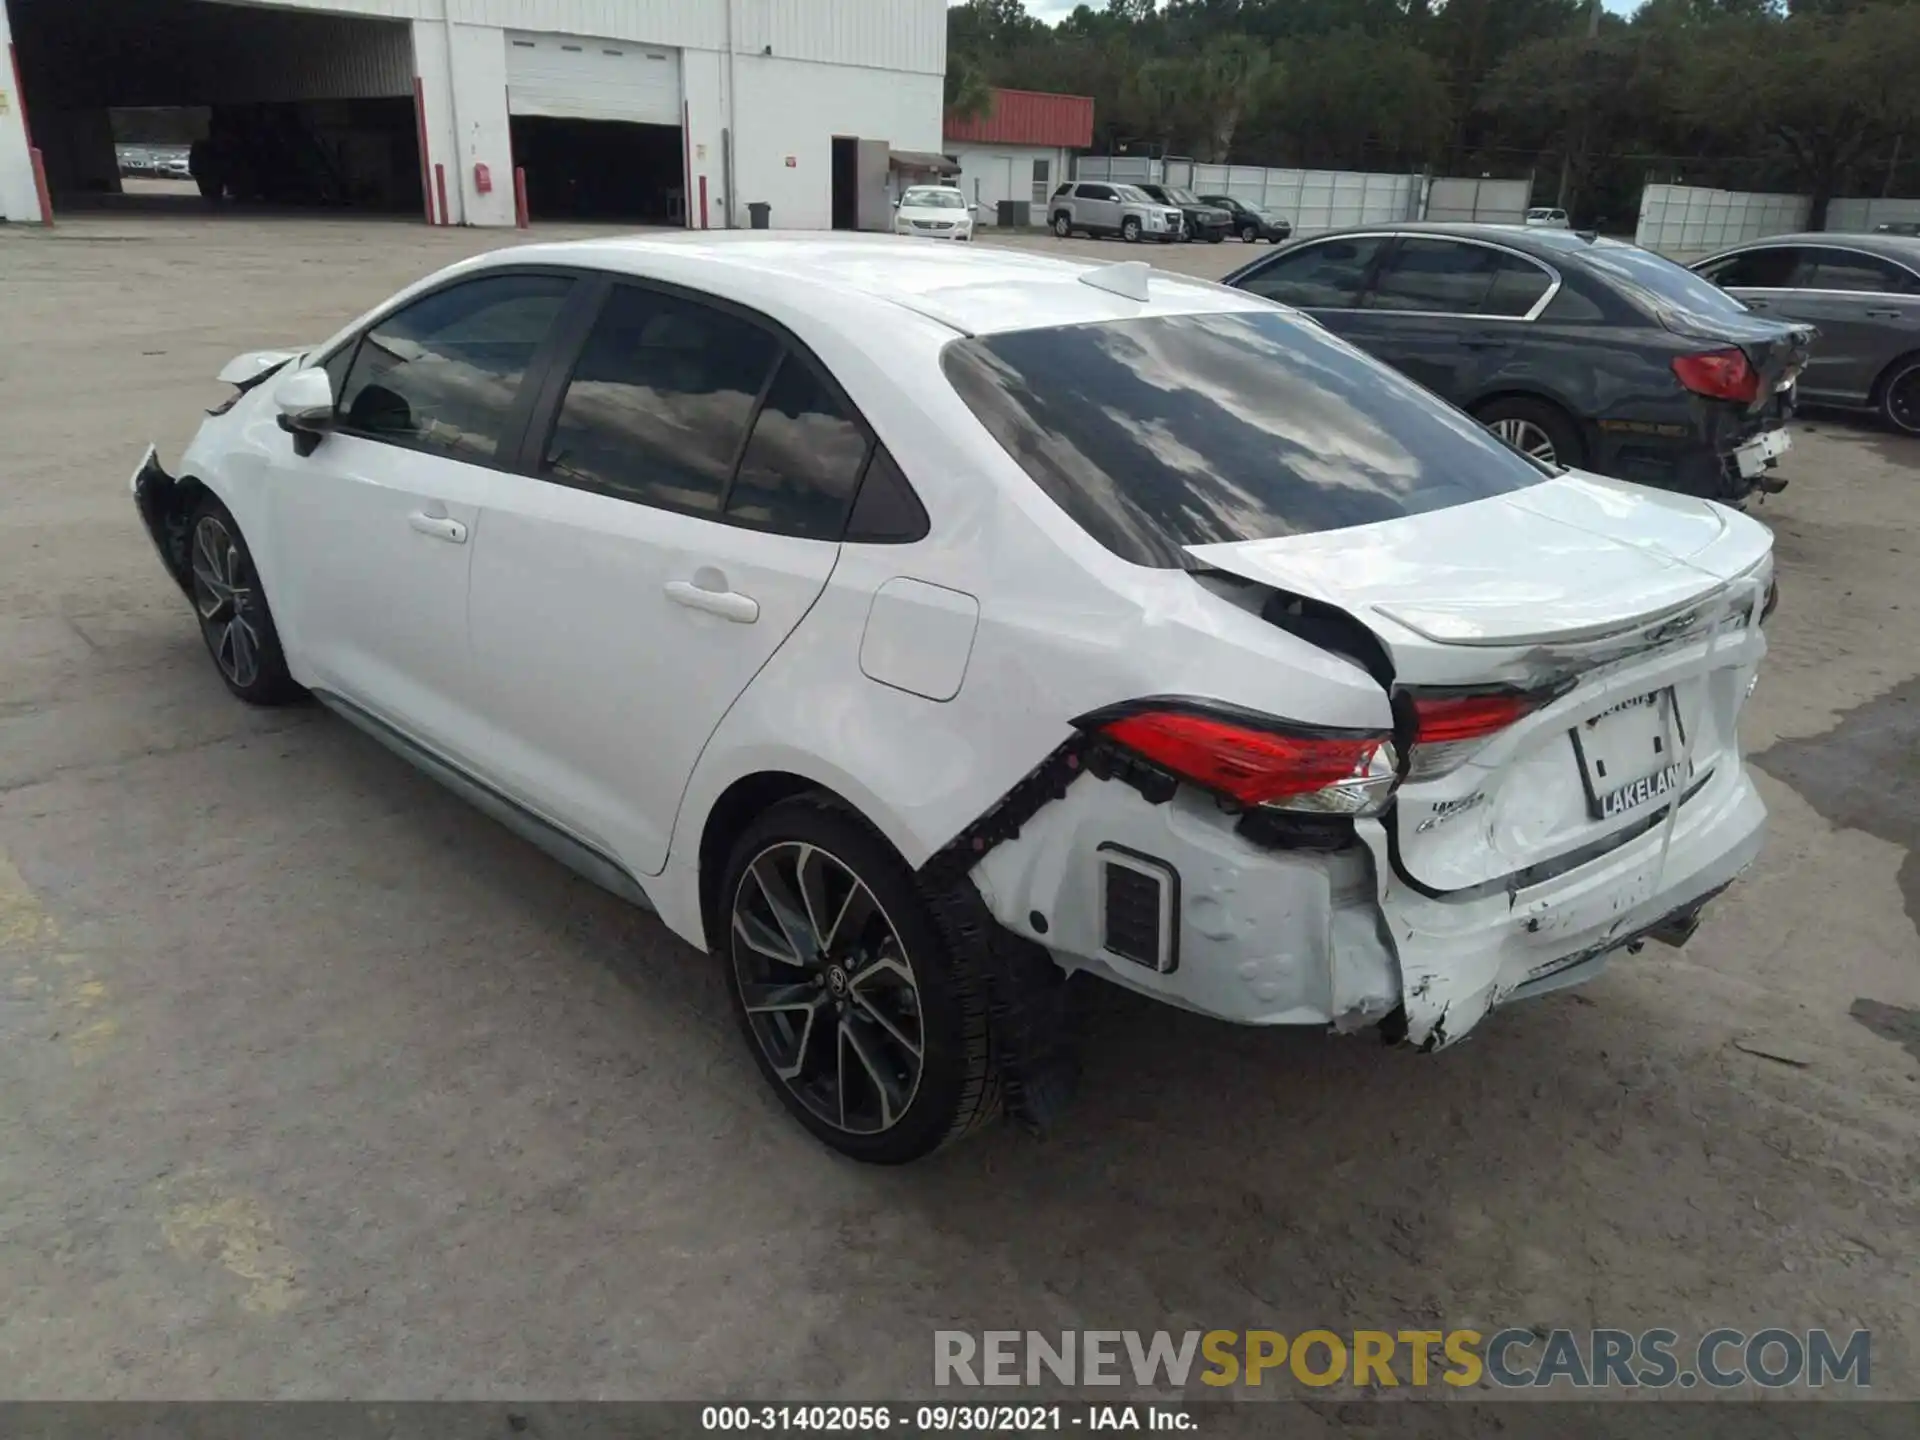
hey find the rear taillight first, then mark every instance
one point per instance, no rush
(1256, 761)
(1719, 375)
(1449, 725)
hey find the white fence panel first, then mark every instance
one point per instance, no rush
(1120, 169)
(1313, 200)
(1482, 201)
(1859, 216)
(1689, 219)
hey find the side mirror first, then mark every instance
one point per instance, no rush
(305, 402)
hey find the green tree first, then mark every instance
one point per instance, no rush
(969, 94)
(1829, 93)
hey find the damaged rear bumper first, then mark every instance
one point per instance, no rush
(1461, 956)
(1171, 901)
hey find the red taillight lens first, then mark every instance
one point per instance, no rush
(1451, 725)
(1719, 375)
(1325, 772)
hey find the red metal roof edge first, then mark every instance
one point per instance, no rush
(1036, 117)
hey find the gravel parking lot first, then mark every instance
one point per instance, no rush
(317, 1083)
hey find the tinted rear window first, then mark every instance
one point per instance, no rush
(1660, 280)
(1186, 430)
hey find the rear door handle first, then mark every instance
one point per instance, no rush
(727, 604)
(1485, 342)
(1883, 314)
(438, 526)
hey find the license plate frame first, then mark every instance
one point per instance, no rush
(1761, 452)
(1630, 740)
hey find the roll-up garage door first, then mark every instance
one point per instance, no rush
(576, 78)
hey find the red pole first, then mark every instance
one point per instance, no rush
(420, 123)
(39, 162)
(40, 188)
(686, 165)
(703, 202)
(440, 184)
(521, 215)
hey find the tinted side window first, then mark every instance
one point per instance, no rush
(803, 462)
(1518, 284)
(1184, 430)
(1325, 275)
(1432, 275)
(660, 400)
(887, 511)
(442, 373)
(1755, 269)
(1098, 192)
(1850, 270)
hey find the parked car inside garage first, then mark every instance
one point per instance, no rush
(1581, 351)
(1863, 294)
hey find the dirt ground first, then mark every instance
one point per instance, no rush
(315, 1083)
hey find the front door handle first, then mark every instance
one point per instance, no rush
(727, 604)
(1883, 314)
(1485, 342)
(438, 526)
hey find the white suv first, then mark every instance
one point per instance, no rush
(913, 626)
(1098, 208)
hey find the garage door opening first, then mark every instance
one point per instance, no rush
(596, 125)
(274, 107)
(600, 169)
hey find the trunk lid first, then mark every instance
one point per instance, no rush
(1632, 613)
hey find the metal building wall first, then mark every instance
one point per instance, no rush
(908, 35)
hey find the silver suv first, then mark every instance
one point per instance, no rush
(1099, 207)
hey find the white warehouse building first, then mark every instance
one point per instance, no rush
(671, 111)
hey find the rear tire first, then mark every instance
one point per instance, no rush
(1538, 428)
(872, 1031)
(1900, 396)
(235, 620)
(1249, 235)
(1063, 227)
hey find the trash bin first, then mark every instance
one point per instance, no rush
(758, 213)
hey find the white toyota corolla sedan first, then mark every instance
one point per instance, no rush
(914, 626)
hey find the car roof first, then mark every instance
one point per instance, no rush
(972, 290)
(1547, 244)
(1904, 248)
